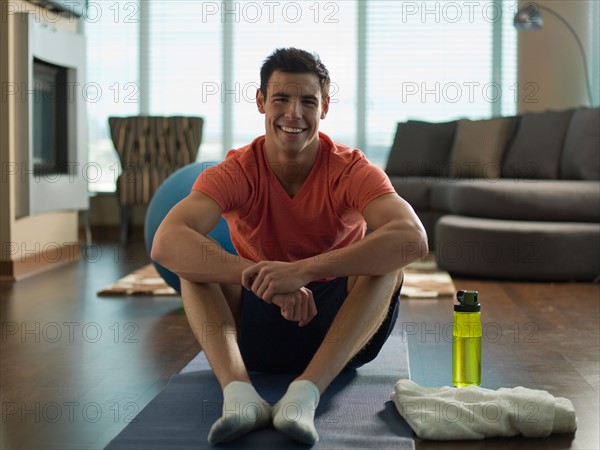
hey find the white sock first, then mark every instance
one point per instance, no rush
(294, 414)
(244, 410)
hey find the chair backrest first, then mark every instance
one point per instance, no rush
(151, 148)
(154, 140)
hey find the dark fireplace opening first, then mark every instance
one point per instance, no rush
(50, 123)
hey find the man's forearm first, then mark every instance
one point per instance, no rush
(386, 249)
(197, 258)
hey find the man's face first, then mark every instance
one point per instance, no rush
(292, 109)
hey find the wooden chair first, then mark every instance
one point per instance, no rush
(150, 149)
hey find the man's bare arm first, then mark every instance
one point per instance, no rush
(182, 246)
(397, 240)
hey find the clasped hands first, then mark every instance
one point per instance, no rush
(282, 283)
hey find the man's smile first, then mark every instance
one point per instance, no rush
(291, 130)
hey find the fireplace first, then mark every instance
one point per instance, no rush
(50, 124)
(52, 156)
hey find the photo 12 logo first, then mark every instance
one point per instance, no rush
(453, 12)
(70, 332)
(270, 12)
(48, 12)
(69, 412)
(69, 91)
(467, 92)
(491, 332)
(245, 92)
(91, 172)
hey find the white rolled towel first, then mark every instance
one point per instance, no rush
(473, 412)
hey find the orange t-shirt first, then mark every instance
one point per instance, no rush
(267, 224)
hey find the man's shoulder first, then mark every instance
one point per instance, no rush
(245, 158)
(247, 152)
(343, 157)
(239, 168)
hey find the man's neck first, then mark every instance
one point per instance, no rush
(292, 168)
(305, 158)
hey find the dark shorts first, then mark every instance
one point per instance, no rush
(270, 343)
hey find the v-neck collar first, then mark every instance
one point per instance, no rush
(278, 187)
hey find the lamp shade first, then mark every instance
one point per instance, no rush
(528, 18)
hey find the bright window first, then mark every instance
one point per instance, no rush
(184, 48)
(112, 89)
(432, 61)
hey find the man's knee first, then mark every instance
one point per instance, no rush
(232, 294)
(209, 294)
(397, 277)
(188, 288)
(191, 290)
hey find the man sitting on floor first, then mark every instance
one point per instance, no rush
(309, 293)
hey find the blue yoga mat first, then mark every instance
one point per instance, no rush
(354, 412)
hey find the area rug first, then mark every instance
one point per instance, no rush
(422, 279)
(144, 281)
(354, 412)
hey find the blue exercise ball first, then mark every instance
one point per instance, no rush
(174, 189)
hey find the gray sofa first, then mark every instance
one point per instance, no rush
(506, 198)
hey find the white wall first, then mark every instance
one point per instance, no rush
(550, 59)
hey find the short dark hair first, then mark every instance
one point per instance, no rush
(294, 60)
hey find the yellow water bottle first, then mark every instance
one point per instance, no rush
(466, 340)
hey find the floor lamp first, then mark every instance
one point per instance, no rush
(529, 18)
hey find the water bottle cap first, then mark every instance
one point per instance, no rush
(468, 301)
(468, 297)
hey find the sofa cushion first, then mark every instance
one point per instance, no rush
(415, 190)
(535, 151)
(581, 153)
(513, 249)
(420, 148)
(478, 147)
(547, 200)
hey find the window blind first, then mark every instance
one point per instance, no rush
(510, 89)
(112, 87)
(428, 61)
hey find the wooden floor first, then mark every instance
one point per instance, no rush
(76, 368)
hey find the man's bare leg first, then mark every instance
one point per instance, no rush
(359, 318)
(212, 311)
